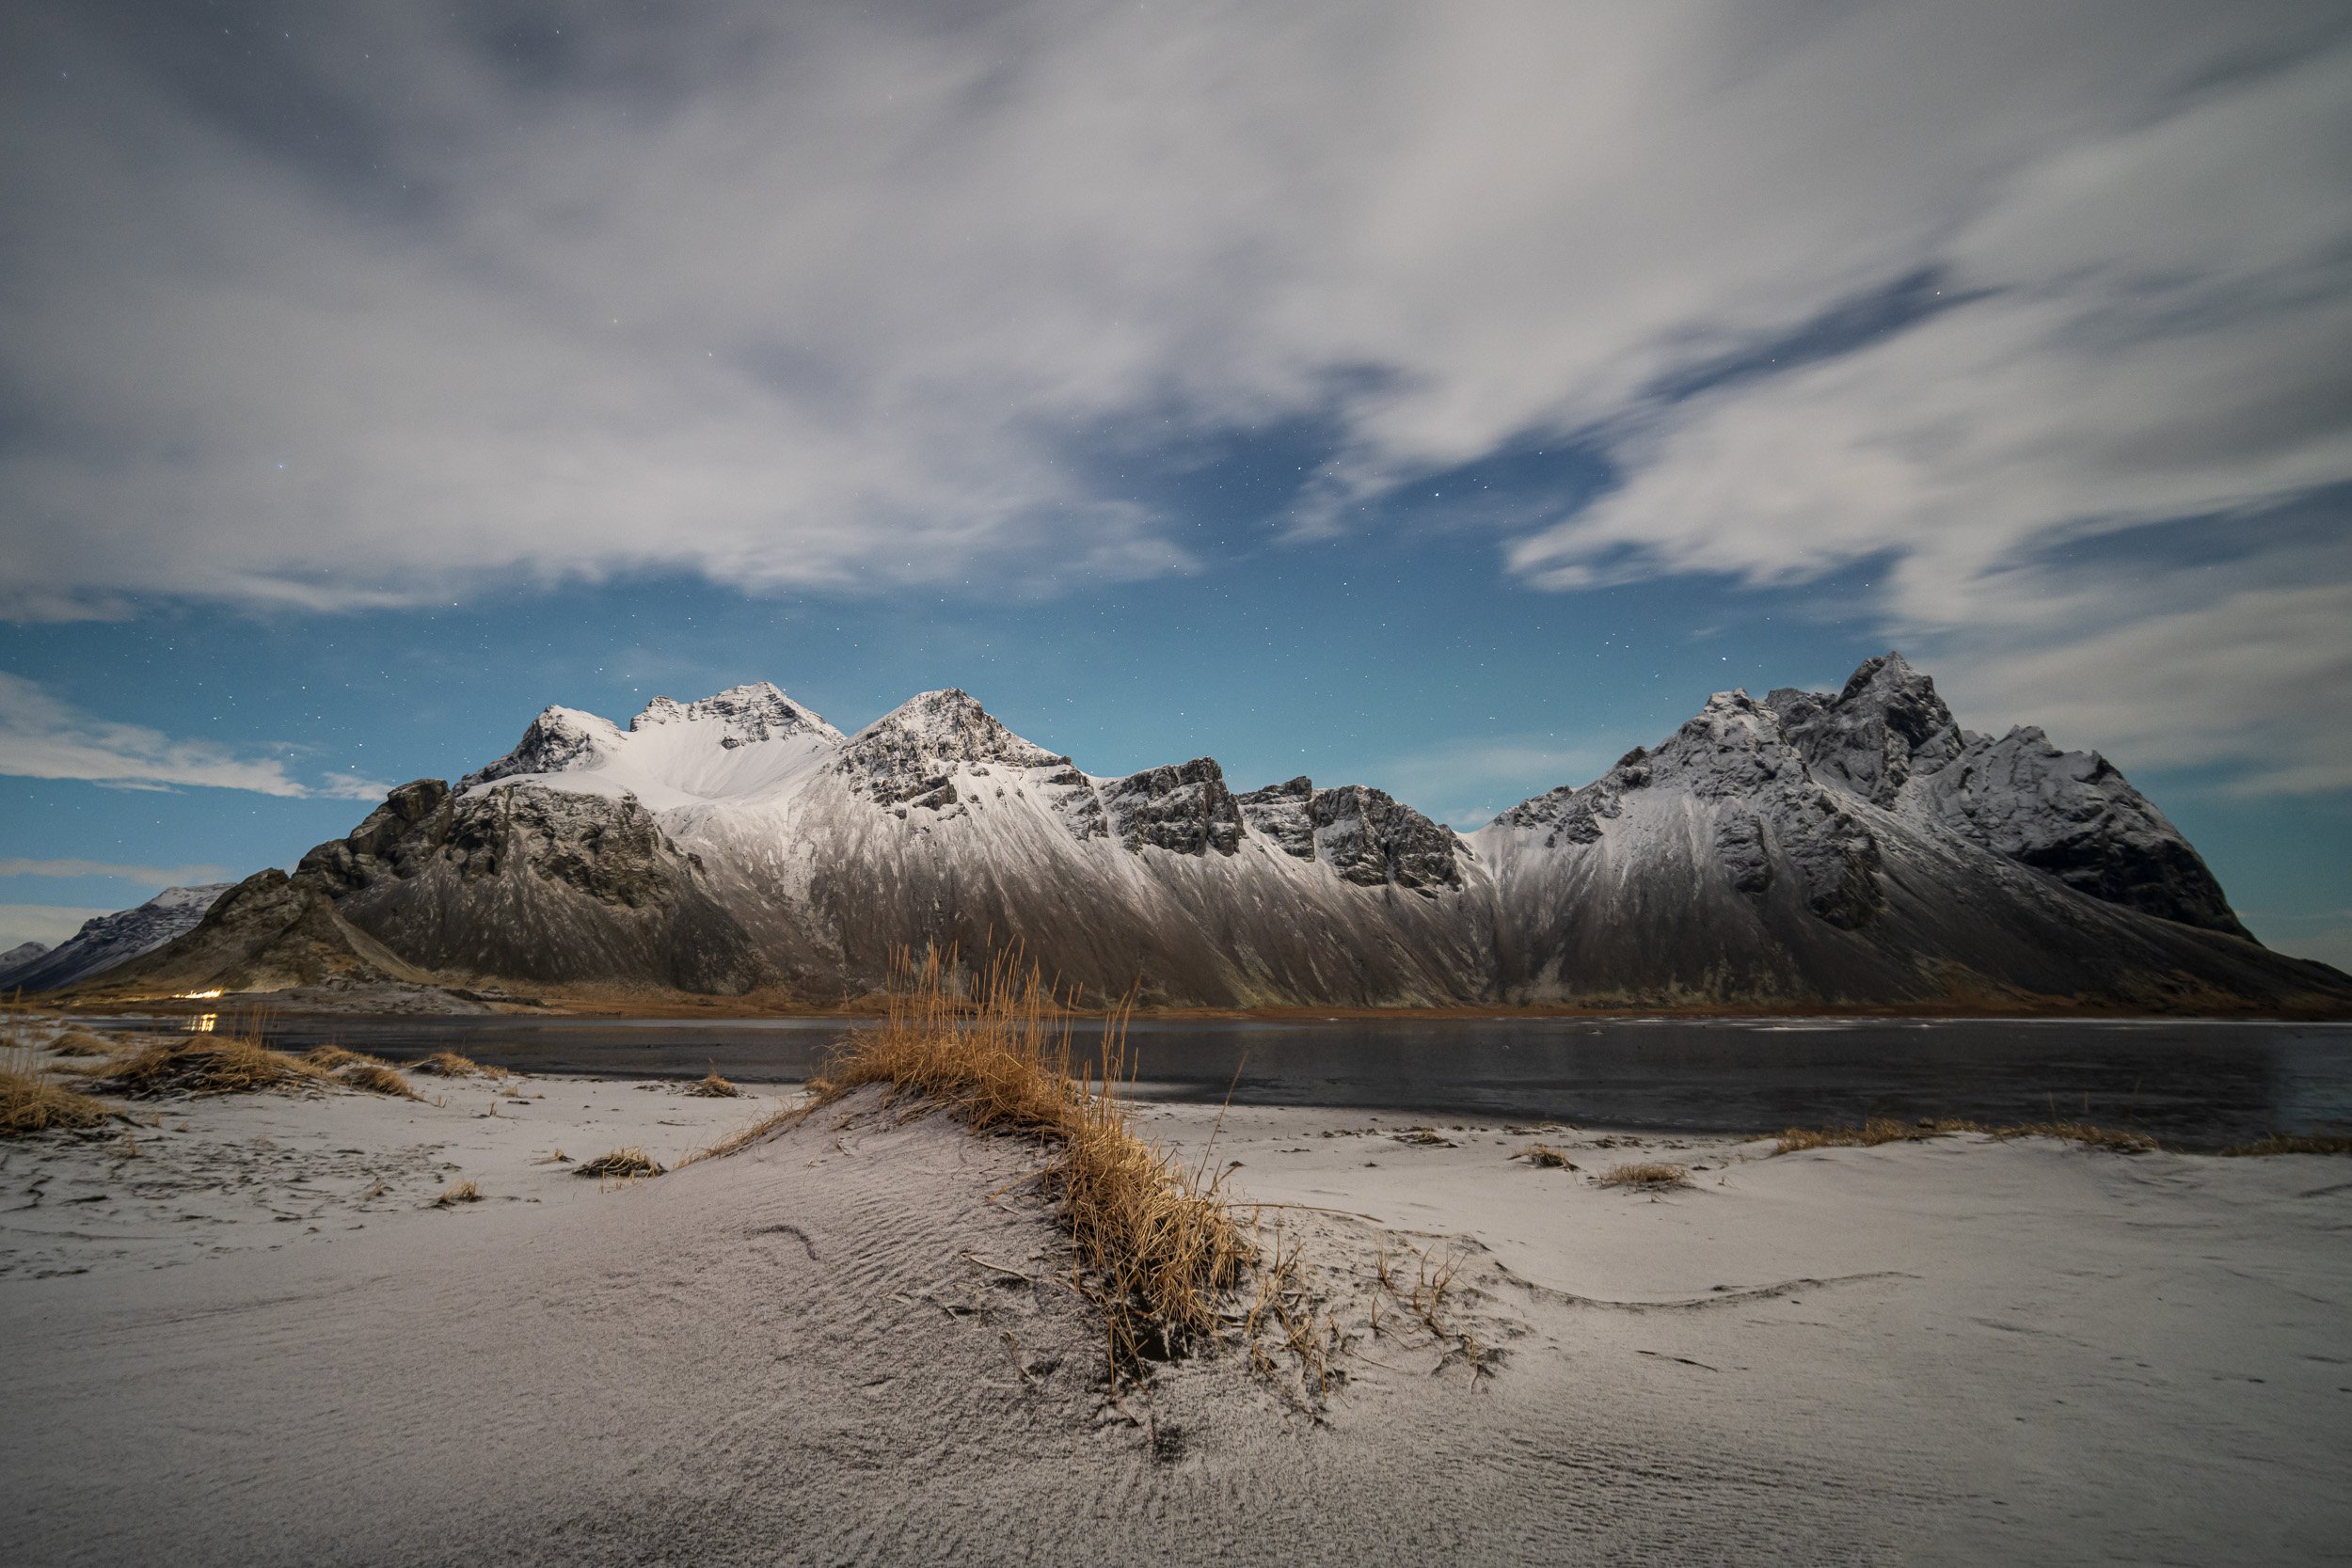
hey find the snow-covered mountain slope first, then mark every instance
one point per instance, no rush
(1721, 867)
(20, 957)
(1854, 849)
(746, 741)
(113, 940)
(1888, 738)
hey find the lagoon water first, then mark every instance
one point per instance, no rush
(2192, 1085)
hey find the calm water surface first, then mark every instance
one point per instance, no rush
(2197, 1084)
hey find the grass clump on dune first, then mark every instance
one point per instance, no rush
(81, 1042)
(620, 1163)
(1648, 1175)
(1156, 1249)
(2290, 1143)
(227, 1063)
(30, 1103)
(1877, 1130)
(356, 1069)
(464, 1192)
(449, 1064)
(714, 1087)
(1545, 1156)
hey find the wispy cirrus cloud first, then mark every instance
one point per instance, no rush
(361, 305)
(42, 737)
(151, 876)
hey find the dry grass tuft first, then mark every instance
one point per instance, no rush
(332, 1056)
(743, 1137)
(714, 1087)
(81, 1042)
(30, 1103)
(1650, 1175)
(465, 1191)
(1156, 1249)
(449, 1064)
(620, 1163)
(2120, 1140)
(2290, 1143)
(1545, 1156)
(376, 1077)
(1877, 1130)
(227, 1063)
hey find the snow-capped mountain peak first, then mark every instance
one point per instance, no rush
(910, 751)
(755, 711)
(743, 742)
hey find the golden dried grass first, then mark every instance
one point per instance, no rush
(1652, 1175)
(224, 1063)
(1545, 1156)
(624, 1162)
(376, 1077)
(2117, 1140)
(1876, 1131)
(2289, 1143)
(714, 1087)
(81, 1042)
(449, 1064)
(464, 1192)
(1156, 1249)
(31, 1102)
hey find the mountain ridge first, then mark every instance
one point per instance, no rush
(1854, 849)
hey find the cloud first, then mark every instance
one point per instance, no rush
(146, 876)
(47, 924)
(824, 294)
(43, 739)
(377, 308)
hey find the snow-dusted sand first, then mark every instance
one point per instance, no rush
(851, 1345)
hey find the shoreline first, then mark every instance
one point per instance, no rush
(576, 1371)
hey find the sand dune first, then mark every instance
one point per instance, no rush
(850, 1344)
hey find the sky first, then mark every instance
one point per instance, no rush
(1443, 397)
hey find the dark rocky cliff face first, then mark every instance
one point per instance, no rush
(531, 883)
(1183, 808)
(1888, 738)
(1365, 835)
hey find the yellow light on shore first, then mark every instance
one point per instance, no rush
(200, 996)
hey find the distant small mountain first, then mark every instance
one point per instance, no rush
(113, 940)
(20, 957)
(1854, 849)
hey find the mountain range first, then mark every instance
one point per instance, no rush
(1854, 849)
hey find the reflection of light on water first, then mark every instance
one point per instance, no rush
(204, 1023)
(200, 996)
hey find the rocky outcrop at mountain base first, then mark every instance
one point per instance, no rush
(521, 883)
(270, 932)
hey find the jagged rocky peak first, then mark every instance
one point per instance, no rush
(908, 754)
(1367, 836)
(1569, 814)
(742, 715)
(559, 741)
(2074, 815)
(612, 850)
(1373, 839)
(1872, 737)
(1183, 808)
(1285, 814)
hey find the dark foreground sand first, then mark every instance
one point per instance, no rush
(852, 1345)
